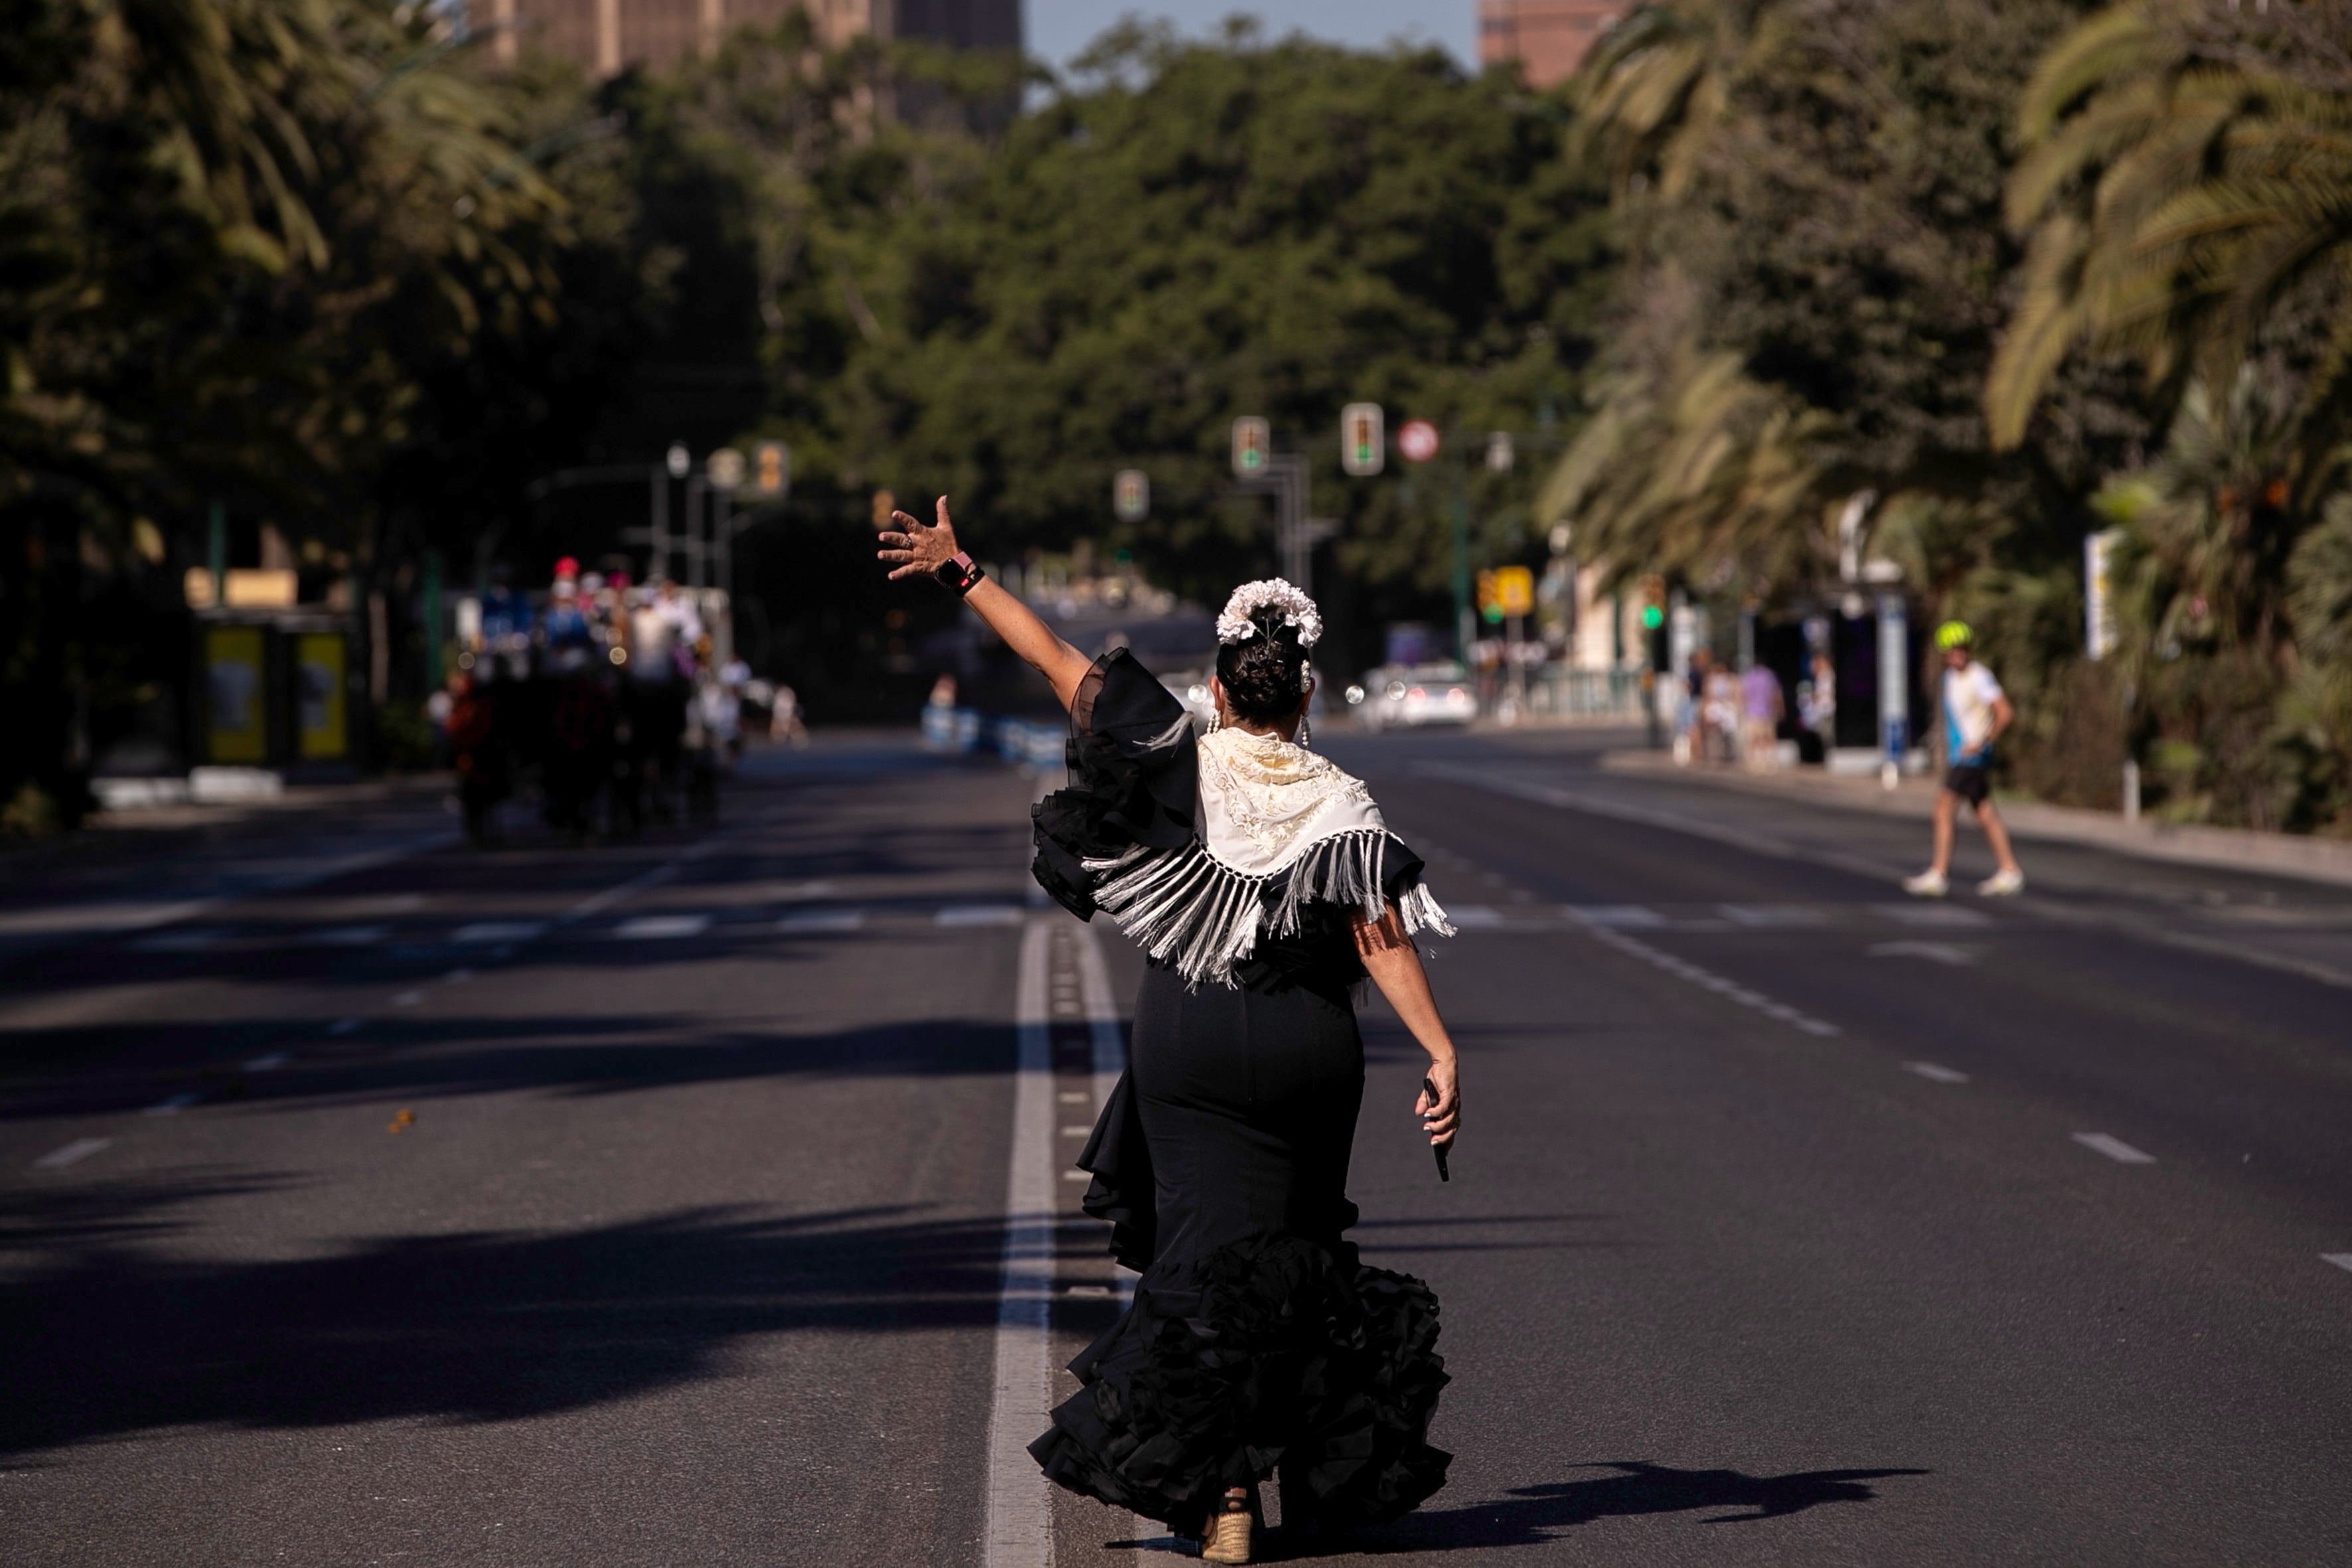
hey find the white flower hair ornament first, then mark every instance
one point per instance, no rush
(1238, 624)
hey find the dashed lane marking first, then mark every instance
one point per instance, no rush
(1935, 1074)
(268, 1062)
(1771, 915)
(183, 942)
(170, 1106)
(408, 999)
(347, 936)
(1474, 917)
(1708, 980)
(1932, 917)
(1616, 917)
(486, 931)
(661, 928)
(73, 1154)
(811, 922)
(1933, 952)
(2114, 1149)
(2341, 1260)
(979, 915)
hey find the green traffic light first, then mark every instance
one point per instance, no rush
(1653, 618)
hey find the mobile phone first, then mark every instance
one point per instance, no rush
(1429, 1088)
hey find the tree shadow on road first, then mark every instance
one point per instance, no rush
(1529, 1516)
(97, 1341)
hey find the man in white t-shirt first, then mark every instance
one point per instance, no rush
(1975, 713)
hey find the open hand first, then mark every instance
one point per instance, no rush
(1441, 1118)
(918, 548)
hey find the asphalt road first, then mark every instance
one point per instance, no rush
(648, 1205)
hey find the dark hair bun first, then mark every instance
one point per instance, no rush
(1264, 676)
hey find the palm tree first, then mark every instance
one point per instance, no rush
(2186, 175)
(1657, 87)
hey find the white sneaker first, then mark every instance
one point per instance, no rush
(2001, 885)
(1926, 885)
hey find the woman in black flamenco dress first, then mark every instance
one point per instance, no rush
(1262, 885)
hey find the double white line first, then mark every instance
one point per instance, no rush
(1020, 1526)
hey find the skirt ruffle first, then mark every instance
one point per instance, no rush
(1263, 1354)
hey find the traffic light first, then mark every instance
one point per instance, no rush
(1490, 601)
(1653, 623)
(1363, 439)
(1130, 495)
(1253, 445)
(771, 470)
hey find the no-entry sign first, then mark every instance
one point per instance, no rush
(1417, 441)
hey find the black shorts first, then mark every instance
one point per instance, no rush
(1970, 781)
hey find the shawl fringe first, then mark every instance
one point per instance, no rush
(1190, 911)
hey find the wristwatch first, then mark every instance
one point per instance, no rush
(959, 573)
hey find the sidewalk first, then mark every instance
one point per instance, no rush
(2327, 861)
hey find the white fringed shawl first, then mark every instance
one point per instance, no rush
(1278, 828)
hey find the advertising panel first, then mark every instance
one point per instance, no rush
(322, 715)
(236, 701)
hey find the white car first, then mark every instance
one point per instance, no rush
(1407, 697)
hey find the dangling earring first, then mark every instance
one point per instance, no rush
(1306, 733)
(1216, 717)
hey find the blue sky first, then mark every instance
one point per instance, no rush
(1057, 29)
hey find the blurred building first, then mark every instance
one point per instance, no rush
(1549, 37)
(605, 37)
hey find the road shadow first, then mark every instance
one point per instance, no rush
(1531, 1516)
(98, 1340)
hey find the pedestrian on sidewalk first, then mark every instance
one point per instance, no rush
(1761, 707)
(1256, 1337)
(1976, 711)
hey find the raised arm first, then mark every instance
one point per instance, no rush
(920, 548)
(1395, 967)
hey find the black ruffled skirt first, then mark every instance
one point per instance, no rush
(1256, 1338)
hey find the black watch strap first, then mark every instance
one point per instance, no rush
(959, 573)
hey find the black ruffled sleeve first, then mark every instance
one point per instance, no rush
(1134, 776)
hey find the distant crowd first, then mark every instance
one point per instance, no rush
(611, 700)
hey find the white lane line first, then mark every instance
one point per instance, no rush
(269, 1062)
(1618, 917)
(597, 903)
(1771, 915)
(2114, 1149)
(408, 999)
(1705, 979)
(183, 942)
(172, 1107)
(1933, 952)
(1932, 916)
(343, 1027)
(1074, 1097)
(1019, 1531)
(80, 1148)
(2341, 1260)
(1075, 1176)
(1935, 1074)
(661, 928)
(1076, 1129)
(347, 936)
(979, 915)
(821, 922)
(1475, 917)
(485, 932)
